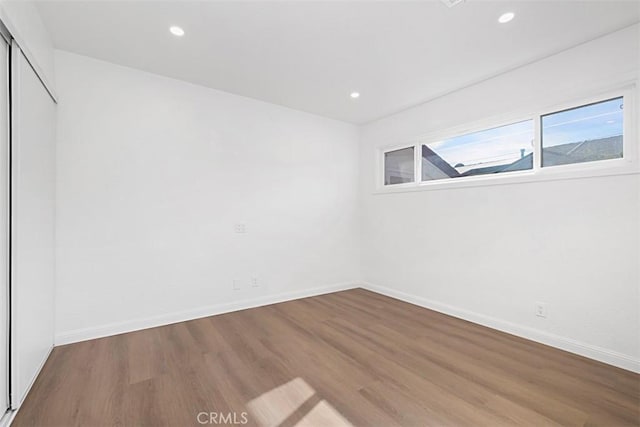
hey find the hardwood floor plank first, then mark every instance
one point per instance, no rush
(351, 358)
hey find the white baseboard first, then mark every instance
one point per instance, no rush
(587, 350)
(181, 316)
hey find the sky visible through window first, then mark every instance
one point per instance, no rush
(501, 145)
(595, 121)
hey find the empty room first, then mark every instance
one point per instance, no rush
(319, 213)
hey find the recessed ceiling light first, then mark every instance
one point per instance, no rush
(506, 17)
(355, 95)
(176, 31)
(610, 121)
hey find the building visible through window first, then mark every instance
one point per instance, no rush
(502, 149)
(584, 134)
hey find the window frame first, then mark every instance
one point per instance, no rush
(627, 164)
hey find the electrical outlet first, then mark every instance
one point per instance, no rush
(255, 283)
(236, 284)
(240, 228)
(541, 309)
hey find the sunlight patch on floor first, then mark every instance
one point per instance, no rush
(276, 406)
(324, 415)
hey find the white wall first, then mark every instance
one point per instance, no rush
(25, 24)
(489, 253)
(153, 173)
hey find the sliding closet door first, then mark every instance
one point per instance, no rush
(32, 224)
(4, 225)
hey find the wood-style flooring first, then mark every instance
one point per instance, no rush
(347, 358)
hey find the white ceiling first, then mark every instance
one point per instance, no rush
(310, 55)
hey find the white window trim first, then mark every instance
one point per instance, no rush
(628, 164)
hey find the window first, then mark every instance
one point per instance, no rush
(399, 166)
(583, 134)
(501, 149)
(591, 139)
